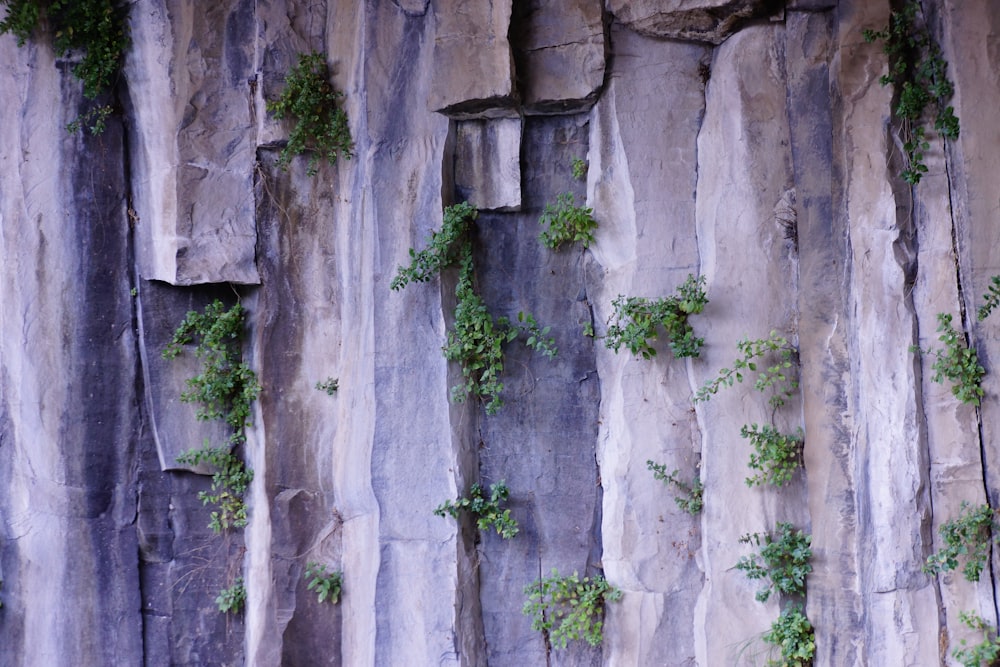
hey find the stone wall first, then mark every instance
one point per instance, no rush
(748, 142)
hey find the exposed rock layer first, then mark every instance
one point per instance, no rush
(743, 141)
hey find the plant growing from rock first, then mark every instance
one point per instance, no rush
(777, 378)
(568, 608)
(330, 386)
(776, 455)
(94, 28)
(325, 584)
(321, 124)
(565, 222)
(691, 499)
(229, 484)
(476, 339)
(992, 299)
(987, 651)
(967, 537)
(232, 599)
(636, 320)
(783, 560)
(579, 168)
(487, 512)
(956, 362)
(793, 634)
(917, 74)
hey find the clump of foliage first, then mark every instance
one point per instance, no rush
(794, 635)
(635, 320)
(565, 222)
(321, 124)
(968, 536)
(567, 608)
(95, 28)
(487, 512)
(691, 499)
(226, 386)
(917, 74)
(992, 298)
(783, 560)
(229, 484)
(579, 167)
(986, 652)
(330, 386)
(956, 362)
(776, 455)
(777, 378)
(325, 584)
(232, 599)
(476, 339)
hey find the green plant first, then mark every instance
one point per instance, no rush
(783, 560)
(94, 119)
(776, 455)
(233, 598)
(487, 512)
(566, 608)
(691, 499)
(96, 28)
(330, 386)
(326, 585)
(794, 635)
(956, 362)
(992, 298)
(310, 99)
(565, 222)
(776, 377)
(635, 320)
(969, 535)
(229, 484)
(917, 74)
(987, 651)
(226, 386)
(579, 167)
(476, 339)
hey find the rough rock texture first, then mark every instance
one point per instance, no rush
(747, 142)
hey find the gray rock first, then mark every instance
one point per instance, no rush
(697, 20)
(488, 163)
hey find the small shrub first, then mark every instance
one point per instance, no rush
(487, 512)
(986, 652)
(226, 386)
(777, 378)
(783, 560)
(330, 386)
(776, 455)
(229, 484)
(232, 599)
(794, 635)
(566, 608)
(691, 499)
(992, 299)
(325, 584)
(565, 222)
(476, 339)
(956, 362)
(311, 100)
(917, 74)
(635, 320)
(968, 536)
(579, 167)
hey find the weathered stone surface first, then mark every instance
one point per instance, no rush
(473, 65)
(488, 163)
(190, 71)
(646, 245)
(559, 53)
(698, 20)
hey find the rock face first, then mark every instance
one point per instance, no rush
(746, 142)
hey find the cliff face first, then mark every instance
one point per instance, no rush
(744, 141)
